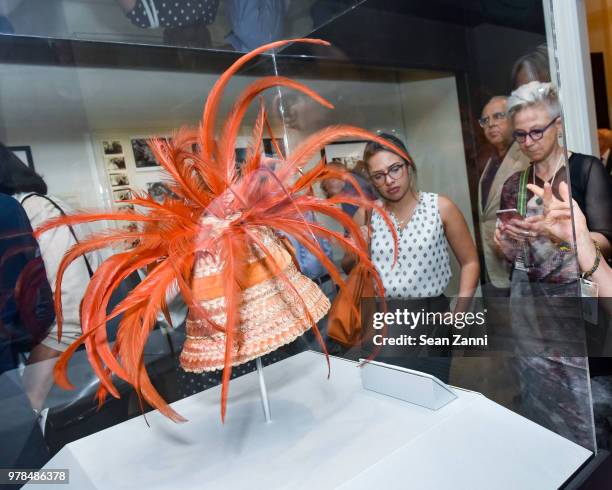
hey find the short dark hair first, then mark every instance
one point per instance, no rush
(373, 147)
(16, 176)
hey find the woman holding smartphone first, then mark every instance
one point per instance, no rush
(554, 378)
(535, 113)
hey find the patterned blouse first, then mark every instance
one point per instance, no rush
(173, 13)
(545, 261)
(423, 266)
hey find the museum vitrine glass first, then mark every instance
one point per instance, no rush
(456, 85)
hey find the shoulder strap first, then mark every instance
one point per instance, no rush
(368, 216)
(521, 205)
(61, 211)
(368, 222)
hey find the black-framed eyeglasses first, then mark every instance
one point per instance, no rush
(534, 134)
(496, 117)
(395, 171)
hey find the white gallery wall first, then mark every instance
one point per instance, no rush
(434, 137)
(66, 161)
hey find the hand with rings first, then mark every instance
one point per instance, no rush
(516, 229)
(556, 222)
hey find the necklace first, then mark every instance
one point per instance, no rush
(402, 223)
(552, 179)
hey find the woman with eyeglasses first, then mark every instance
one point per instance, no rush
(426, 224)
(535, 113)
(547, 325)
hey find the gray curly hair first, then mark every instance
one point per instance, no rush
(532, 94)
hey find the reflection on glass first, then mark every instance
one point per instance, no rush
(85, 107)
(544, 267)
(235, 25)
(502, 159)
(531, 67)
(476, 172)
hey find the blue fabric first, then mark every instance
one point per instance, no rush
(255, 22)
(18, 249)
(309, 264)
(13, 220)
(349, 190)
(5, 25)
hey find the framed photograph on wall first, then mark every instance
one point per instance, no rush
(158, 191)
(270, 149)
(115, 163)
(24, 153)
(122, 195)
(143, 156)
(240, 155)
(348, 153)
(112, 147)
(119, 180)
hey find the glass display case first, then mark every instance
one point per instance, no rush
(86, 83)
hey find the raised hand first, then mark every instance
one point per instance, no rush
(556, 221)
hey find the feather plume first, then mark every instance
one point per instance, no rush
(173, 235)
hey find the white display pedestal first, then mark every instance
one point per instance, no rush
(324, 434)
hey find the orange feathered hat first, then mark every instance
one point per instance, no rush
(216, 242)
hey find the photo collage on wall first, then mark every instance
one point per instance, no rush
(143, 156)
(131, 166)
(148, 170)
(116, 169)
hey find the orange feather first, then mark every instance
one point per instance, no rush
(199, 168)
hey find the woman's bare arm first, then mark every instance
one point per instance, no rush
(462, 245)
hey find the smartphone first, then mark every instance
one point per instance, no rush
(505, 215)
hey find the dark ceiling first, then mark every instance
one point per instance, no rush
(519, 14)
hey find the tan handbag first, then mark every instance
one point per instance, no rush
(345, 315)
